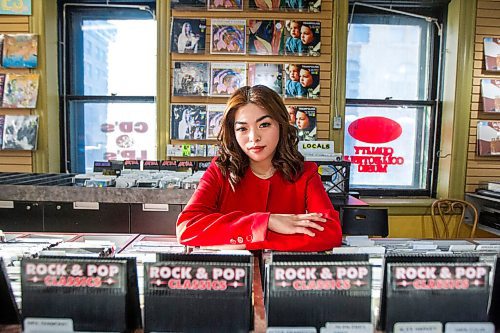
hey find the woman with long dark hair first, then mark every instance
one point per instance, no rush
(259, 193)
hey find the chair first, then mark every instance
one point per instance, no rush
(365, 221)
(446, 211)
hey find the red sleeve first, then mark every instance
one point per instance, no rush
(202, 224)
(317, 201)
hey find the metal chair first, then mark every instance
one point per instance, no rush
(446, 211)
(365, 221)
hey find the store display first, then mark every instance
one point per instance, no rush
(490, 92)
(20, 132)
(188, 35)
(491, 53)
(302, 38)
(196, 291)
(310, 290)
(188, 121)
(302, 81)
(269, 75)
(20, 51)
(225, 5)
(20, 91)
(10, 312)
(488, 138)
(434, 288)
(266, 37)
(79, 288)
(226, 78)
(228, 36)
(191, 78)
(214, 118)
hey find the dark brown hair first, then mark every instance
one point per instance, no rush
(233, 161)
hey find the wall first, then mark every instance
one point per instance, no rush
(480, 168)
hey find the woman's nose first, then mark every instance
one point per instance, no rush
(254, 136)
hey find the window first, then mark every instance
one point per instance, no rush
(391, 102)
(108, 82)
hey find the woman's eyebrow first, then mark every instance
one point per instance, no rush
(237, 122)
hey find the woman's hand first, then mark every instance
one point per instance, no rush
(289, 224)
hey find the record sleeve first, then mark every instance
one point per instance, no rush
(20, 51)
(2, 86)
(305, 121)
(271, 5)
(20, 132)
(225, 5)
(488, 138)
(266, 37)
(490, 91)
(20, 91)
(302, 38)
(269, 75)
(2, 125)
(492, 53)
(188, 4)
(214, 118)
(188, 35)
(191, 78)
(228, 36)
(302, 5)
(226, 78)
(302, 81)
(188, 121)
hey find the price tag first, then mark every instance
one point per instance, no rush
(349, 328)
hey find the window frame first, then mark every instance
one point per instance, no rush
(71, 63)
(433, 100)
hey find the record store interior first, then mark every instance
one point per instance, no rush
(266, 166)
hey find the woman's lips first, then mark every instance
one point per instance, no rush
(257, 149)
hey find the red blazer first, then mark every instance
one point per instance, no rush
(215, 215)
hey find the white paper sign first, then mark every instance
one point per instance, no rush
(420, 327)
(469, 328)
(48, 325)
(291, 330)
(348, 328)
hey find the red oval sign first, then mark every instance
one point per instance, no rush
(375, 129)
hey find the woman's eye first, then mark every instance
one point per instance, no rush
(240, 129)
(265, 124)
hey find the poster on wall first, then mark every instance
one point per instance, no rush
(15, 7)
(490, 91)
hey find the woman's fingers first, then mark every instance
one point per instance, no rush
(311, 224)
(303, 230)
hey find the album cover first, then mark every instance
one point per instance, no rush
(20, 51)
(2, 86)
(226, 78)
(266, 5)
(225, 4)
(20, 91)
(191, 78)
(20, 132)
(302, 5)
(214, 117)
(187, 35)
(488, 138)
(492, 53)
(2, 125)
(304, 118)
(188, 121)
(1, 49)
(490, 91)
(228, 36)
(269, 75)
(266, 37)
(188, 4)
(302, 38)
(302, 81)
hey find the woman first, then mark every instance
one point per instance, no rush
(187, 42)
(306, 125)
(259, 193)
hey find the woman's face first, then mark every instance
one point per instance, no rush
(291, 115)
(256, 132)
(306, 79)
(295, 29)
(302, 120)
(306, 35)
(187, 28)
